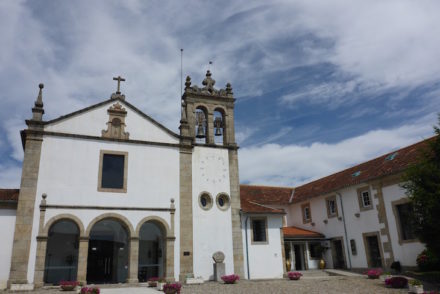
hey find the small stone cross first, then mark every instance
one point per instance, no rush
(119, 79)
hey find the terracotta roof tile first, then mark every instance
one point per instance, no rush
(9, 195)
(295, 232)
(388, 164)
(256, 199)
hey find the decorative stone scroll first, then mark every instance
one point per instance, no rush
(116, 123)
(208, 88)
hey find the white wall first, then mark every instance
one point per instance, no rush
(7, 220)
(265, 260)
(92, 123)
(406, 253)
(212, 229)
(69, 176)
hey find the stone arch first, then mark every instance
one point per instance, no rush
(64, 216)
(124, 221)
(163, 225)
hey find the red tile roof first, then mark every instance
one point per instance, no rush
(256, 199)
(298, 233)
(373, 169)
(9, 195)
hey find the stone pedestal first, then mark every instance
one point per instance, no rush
(219, 265)
(219, 271)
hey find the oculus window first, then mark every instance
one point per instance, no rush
(205, 201)
(113, 171)
(259, 230)
(223, 202)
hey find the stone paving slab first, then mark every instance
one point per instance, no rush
(343, 273)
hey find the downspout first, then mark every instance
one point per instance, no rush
(345, 230)
(247, 249)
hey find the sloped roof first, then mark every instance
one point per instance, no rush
(385, 165)
(298, 233)
(129, 105)
(9, 195)
(255, 199)
(388, 164)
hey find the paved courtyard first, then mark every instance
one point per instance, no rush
(329, 284)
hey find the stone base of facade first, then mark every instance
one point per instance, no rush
(132, 281)
(21, 287)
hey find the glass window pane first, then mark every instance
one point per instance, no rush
(406, 225)
(151, 253)
(62, 252)
(259, 230)
(113, 171)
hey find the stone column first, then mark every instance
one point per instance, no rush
(210, 128)
(25, 210)
(237, 240)
(83, 254)
(169, 271)
(40, 261)
(283, 252)
(186, 215)
(134, 261)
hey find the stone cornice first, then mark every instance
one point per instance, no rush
(92, 207)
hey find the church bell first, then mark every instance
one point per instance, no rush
(200, 132)
(218, 126)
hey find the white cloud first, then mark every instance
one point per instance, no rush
(291, 165)
(10, 176)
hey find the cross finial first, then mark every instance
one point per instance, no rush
(119, 79)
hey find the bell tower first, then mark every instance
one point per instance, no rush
(209, 171)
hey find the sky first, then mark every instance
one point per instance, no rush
(320, 85)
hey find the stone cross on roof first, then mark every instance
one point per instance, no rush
(119, 79)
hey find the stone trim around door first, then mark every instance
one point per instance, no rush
(367, 249)
(40, 259)
(344, 251)
(394, 205)
(124, 221)
(101, 161)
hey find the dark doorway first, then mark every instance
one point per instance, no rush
(374, 251)
(62, 252)
(108, 253)
(298, 257)
(338, 254)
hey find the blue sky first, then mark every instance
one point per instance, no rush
(320, 85)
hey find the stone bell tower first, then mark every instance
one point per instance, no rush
(207, 123)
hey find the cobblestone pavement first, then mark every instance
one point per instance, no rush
(330, 284)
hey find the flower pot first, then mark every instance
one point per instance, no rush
(418, 289)
(170, 291)
(159, 286)
(68, 287)
(294, 278)
(322, 264)
(373, 277)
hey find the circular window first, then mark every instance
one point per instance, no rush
(205, 201)
(223, 201)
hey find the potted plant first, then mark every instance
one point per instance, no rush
(230, 279)
(90, 290)
(374, 273)
(68, 285)
(171, 288)
(294, 275)
(396, 282)
(160, 283)
(152, 282)
(415, 286)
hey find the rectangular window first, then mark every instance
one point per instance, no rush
(113, 171)
(259, 230)
(307, 214)
(364, 198)
(315, 250)
(353, 247)
(405, 213)
(332, 207)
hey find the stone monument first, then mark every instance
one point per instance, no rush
(219, 265)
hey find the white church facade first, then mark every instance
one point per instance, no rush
(109, 195)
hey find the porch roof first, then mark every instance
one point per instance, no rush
(298, 233)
